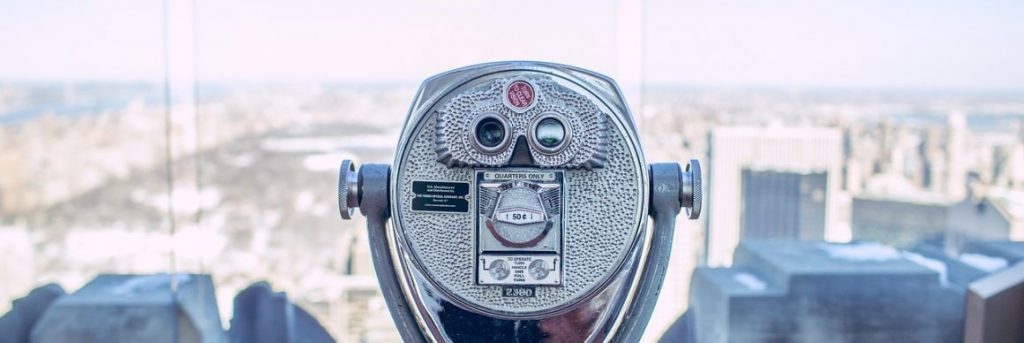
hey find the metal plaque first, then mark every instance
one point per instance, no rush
(519, 227)
(433, 196)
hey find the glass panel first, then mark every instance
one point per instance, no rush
(288, 89)
(83, 177)
(165, 136)
(831, 122)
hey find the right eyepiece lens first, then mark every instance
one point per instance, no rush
(490, 132)
(550, 132)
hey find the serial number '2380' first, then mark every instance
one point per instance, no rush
(518, 291)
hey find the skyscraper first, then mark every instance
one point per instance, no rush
(779, 204)
(786, 291)
(900, 221)
(800, 151)
(956, 151)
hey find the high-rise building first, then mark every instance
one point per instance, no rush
(800, 151)
(956, 159)
(780, 204)
(934, 158)
(997, 215)
(800, 291)
(12, 182)
(894, 210)
(905, 217)
(900, 221)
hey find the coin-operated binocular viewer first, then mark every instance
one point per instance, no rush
(519, 201)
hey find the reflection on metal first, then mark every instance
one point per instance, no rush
(538, 240)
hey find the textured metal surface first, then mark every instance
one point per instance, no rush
(598, 233)
(607, 224)
(586, 123)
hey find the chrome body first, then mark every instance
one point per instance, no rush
(616, 308)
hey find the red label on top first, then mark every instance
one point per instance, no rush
(520, 94)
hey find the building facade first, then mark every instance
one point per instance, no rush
(800, 151)
(783, 204)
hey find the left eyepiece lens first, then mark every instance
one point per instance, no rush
(490, 132)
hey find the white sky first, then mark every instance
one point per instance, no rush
(944, 44)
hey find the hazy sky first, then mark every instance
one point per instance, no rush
(789, 43)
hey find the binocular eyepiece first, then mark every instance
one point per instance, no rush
(518, 203)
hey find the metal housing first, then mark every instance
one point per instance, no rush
(614, 308)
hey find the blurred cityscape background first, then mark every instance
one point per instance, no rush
(150, 136)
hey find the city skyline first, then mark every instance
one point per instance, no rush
(105, 178)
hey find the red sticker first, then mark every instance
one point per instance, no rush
(520, 95)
